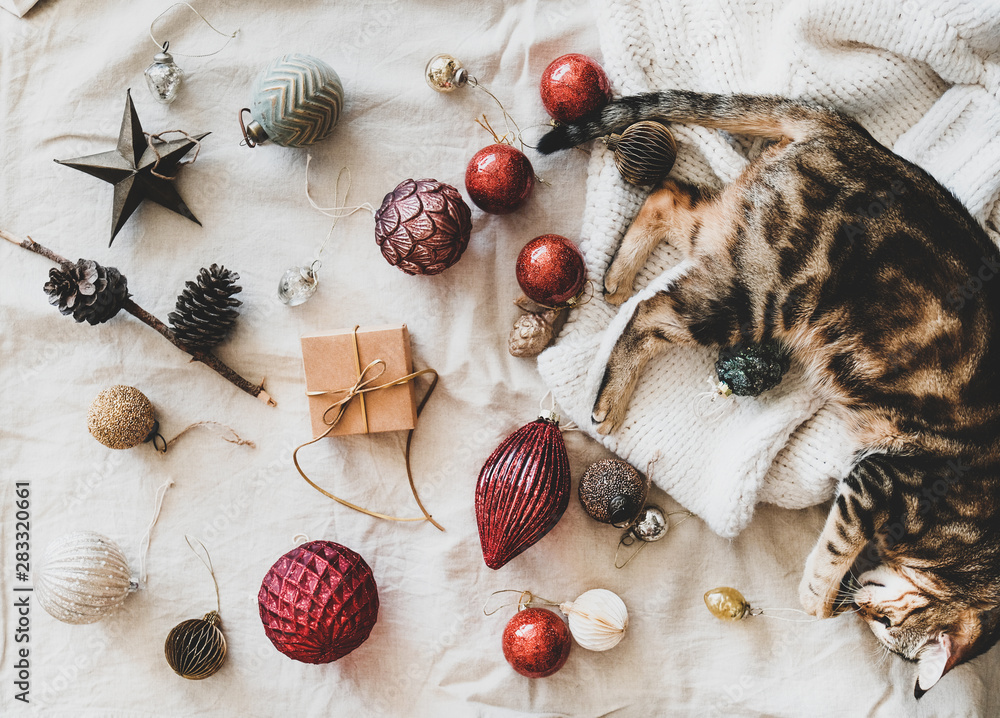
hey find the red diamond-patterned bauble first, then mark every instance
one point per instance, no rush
(573, 86)
(499, 179)
(318, 602)
(550, 270)
(536, 642)
(523, 490)
(423, 226)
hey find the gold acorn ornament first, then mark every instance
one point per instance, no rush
(727, 604)
(531, 333)
(122, 417)
(196, 648)
(644, 152)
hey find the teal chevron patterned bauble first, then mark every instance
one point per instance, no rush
(296, 102)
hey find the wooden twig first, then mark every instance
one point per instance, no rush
(148, 319)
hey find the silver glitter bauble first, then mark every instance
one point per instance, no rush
(164, 77)
(82, 578)
(651, 525)
(297, 285)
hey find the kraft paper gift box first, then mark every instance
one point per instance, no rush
(332, 366)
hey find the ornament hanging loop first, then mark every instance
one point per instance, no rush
(250, 139)
(207, 560)
(163, 46)
(525, 599)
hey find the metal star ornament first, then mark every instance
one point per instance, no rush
(139, 169)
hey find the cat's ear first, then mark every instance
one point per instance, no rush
(937, 658)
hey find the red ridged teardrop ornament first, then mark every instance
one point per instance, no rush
(523, 490)
(318, 602)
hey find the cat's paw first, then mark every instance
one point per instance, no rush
(608, 411)
(618, 283)
(818, 595)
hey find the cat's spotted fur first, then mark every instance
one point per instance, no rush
(882, 284)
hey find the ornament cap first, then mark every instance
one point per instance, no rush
(256, 133)
(550, 416)
(621, 508)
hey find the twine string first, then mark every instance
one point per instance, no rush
(524, 600)
(507, 119)
(233, 439)
(363, 385)
(163, 46)
(337, 212)
(628, 537)
(158, 138)
(207, 560)
(144, 543)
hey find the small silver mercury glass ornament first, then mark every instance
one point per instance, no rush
(298, 284)
(651, 524)
(444, 73)
(164, 77)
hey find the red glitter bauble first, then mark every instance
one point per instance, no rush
(522, 491)
(423, 226)
(550, 270)
(573, 86)
(536, 642)
(318, 602)
(499, 179)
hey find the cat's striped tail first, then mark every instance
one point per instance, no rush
(755, 115)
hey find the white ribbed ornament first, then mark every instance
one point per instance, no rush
(597, 619)
(82, 578)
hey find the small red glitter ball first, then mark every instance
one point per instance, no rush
(536, 642)
(574, 86)
(318, 602)
(499, 179)
(550, 270)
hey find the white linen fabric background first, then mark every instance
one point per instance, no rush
(64, 69)
(922, 77)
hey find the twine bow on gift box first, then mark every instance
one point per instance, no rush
(366, 383)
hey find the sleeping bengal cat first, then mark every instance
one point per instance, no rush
(894, 312)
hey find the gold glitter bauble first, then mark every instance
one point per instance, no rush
(196, 648)
(121, 417)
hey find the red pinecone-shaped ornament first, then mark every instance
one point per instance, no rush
(423, 226)
(523, 490)
(318, 602)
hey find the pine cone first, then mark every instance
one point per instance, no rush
(87, 290)
(531, 333)
(206, 309)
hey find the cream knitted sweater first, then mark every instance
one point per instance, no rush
(923, 76)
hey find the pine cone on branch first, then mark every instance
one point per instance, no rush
(206, 309)
(87, 291)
